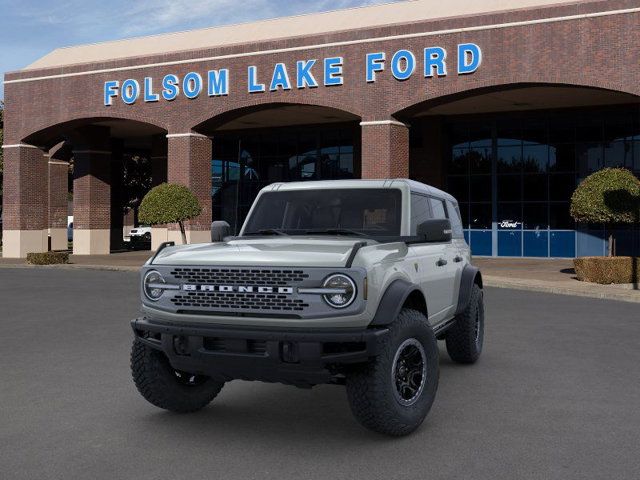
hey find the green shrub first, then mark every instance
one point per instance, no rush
(609, 196)
(47, 258)
(169, 203)
(607, 270)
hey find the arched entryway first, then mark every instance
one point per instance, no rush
(92, 173)
(255, 146)
(513, 155)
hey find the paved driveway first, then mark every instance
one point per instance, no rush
(555, 395)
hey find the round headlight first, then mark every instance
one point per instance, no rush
(152, 285)
(344, 291)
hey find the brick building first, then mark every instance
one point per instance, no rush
(506, 105)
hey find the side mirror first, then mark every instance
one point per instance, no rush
(435, 230)
(219, 230)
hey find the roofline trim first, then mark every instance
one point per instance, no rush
(332, 44)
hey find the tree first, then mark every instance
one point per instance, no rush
(169, 203)
(609, 196)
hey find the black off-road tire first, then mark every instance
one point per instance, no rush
(372, 389)
(465, 338)
(161, 385)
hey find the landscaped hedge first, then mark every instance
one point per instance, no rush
(47, 258)
(607, 270)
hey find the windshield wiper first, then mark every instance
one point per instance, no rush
(268, 231)
(336, 231)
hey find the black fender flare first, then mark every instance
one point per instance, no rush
(470, 275)
(392, 301)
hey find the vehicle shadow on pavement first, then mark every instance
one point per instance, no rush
(279, 412)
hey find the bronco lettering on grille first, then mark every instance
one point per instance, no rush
(237, 289)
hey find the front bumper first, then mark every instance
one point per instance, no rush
(272, 355)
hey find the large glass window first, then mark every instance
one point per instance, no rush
(243, 163)
(529, 164)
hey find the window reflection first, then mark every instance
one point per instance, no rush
(532, 162)
(246, 162)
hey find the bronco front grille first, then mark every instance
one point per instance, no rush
(239, 276)
(238, 301)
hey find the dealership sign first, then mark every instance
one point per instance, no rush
(310, 73)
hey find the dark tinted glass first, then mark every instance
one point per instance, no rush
(535, 216)
(459, 161)
(618, 154)
(480, 159)
(509, 188)
(480, 188)
(480, 216)
(509, 216)
(561, 186)
(459, 188)
(420, 211)
(374, 212)
(535, 158)
(559, 217)
(589, 158)
(456, 222)
(535, 187)
(437, 208)
(510, 159)
(562, 157)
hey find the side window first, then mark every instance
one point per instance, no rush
(420, 211)
(437, 207)
(456, 221)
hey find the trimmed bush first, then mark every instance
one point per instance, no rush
(169, 203)
(48, 258)
(609, 196)
(607, 270)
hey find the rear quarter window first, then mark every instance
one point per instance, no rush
(456, 222)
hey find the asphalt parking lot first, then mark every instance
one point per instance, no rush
(555, 395)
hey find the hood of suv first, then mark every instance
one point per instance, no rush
(325, 251)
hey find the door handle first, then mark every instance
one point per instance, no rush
(458, 259)
(441, 263)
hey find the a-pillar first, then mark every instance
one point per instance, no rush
(92, 192)
(58, 192)
(159, 233)
(189, 164)
(25, 210)
(385, 149)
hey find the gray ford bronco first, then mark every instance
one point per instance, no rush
(348, 282)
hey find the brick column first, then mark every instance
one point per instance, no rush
(385, 149)
(158, 159)
(189, 163)
(91, 191)
(159, 233)
(25, 210)
(58, 192)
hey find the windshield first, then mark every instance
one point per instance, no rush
(361, 211)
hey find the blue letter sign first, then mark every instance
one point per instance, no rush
(217, 82)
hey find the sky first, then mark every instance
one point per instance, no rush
(30, 29)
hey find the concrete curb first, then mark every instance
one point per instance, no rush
(604, 292)
(75, 266)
